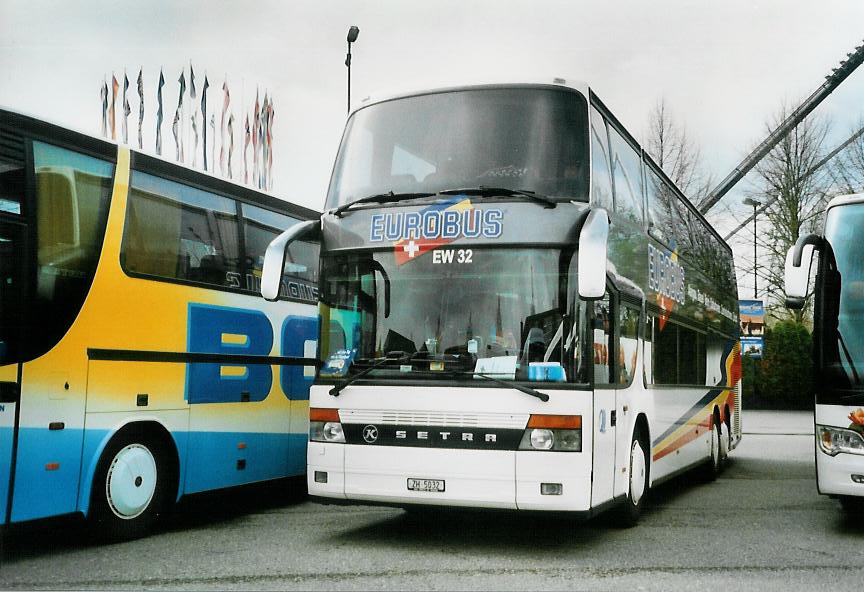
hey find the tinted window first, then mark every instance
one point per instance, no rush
(628, 334)
(602, 331)
(181, 232)
(601, 178)
(72, 196)
(11, 186)
(517, 138)
(678, 354)
(627, 176)
(300, 276)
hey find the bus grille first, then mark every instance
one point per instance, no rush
(736, 418)
(432, 418)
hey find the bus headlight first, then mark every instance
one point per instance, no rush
(553, 432)
(833, 441)
(542, 439)
(324, 426)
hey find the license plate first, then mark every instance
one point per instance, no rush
(436, 485)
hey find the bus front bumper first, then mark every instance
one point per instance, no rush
(471, 478)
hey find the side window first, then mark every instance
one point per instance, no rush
(679, 354)
(11, 185)
(665, 352)
(628, 342)
(72, 196)
(300, 275)
(627, 178)
(601, 179)
(180, 232)
(602, 331)
(575, 361)
(648, 350)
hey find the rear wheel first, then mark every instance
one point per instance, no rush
(712, 467)
(725, 440)
(628, 513)
(130, 487)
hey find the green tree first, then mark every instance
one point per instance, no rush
(783, 378)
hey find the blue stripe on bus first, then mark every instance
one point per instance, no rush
(207, 461)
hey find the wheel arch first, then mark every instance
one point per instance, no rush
(132, 427)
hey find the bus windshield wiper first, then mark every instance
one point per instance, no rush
(392, 356)
(388, 197)
(483, 191)
(525, 389)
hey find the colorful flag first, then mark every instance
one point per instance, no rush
(178, 120)
(256, 124)
(213, 144)
(245, 150)
(225, 102)
(126, 108)
(270, 115)
(140, 108)
(175, 129)
(204, 117)
(103, 94)
(193, 95)
(111, 119)
(230, 143)
(159, 113)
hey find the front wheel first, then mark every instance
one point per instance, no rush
(130, 487)
(628, 513)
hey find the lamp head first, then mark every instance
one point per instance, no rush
(353, 33)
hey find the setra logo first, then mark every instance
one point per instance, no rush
(370, 434)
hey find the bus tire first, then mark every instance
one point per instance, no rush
(627, 514)
(711, 468)
(725, 438)
(130, 487)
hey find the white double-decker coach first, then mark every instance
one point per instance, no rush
(518, 309)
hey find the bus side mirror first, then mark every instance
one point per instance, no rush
(797, 270)
(593, 238)
(274, 256)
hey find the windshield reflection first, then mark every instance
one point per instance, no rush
(843, 299)
(515, 138)
(488, 310)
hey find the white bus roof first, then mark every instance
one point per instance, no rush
(407, 91)
(842, 200)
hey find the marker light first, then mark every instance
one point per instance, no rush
(324, 426)
(833, 441)
(561, 433)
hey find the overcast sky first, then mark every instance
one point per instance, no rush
(723, 66)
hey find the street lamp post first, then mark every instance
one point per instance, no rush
(353, 32)
(755, 203)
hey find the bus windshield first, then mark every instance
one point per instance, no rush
(523, 138)
(485, 310)
(842, 339)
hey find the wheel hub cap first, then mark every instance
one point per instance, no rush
(637, 473)
(131, 481)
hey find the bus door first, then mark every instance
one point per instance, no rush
(12, 262)
(626, 357)
(605, 393)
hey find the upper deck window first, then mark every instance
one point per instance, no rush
(519, 138)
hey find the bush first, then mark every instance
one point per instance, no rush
(783, 378)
